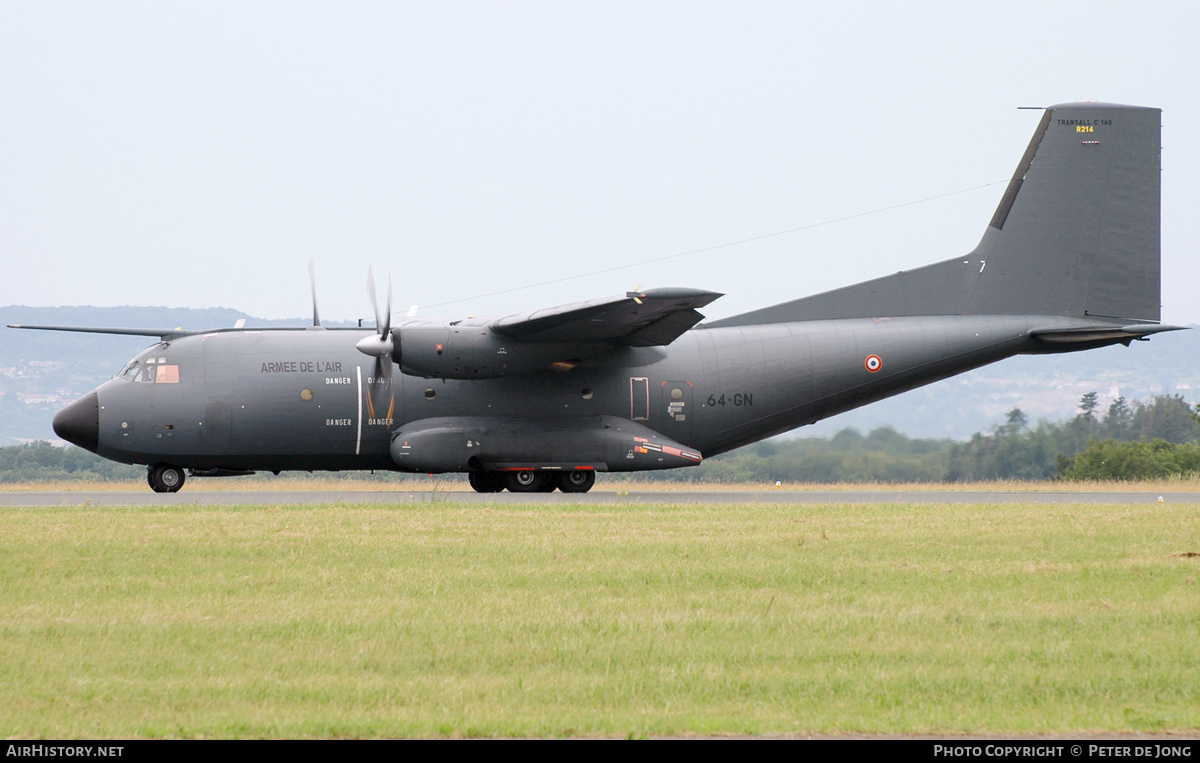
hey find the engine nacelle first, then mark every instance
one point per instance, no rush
(475, 352)
(472, 443)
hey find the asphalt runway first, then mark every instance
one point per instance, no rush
(595, 497)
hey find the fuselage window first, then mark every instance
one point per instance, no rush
(168, 374)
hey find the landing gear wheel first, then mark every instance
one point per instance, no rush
(486, 482)
(577, 481)
(164, 478)
(526, 481)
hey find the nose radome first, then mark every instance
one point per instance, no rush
(79, 422)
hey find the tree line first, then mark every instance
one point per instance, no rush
(1130, 440)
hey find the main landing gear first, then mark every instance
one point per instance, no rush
(578, 481)
(486, 482)
(532, 481)
(164, 478)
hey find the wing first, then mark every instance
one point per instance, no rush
(650, 318)
(164, 334)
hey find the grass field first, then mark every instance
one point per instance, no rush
(457, 620)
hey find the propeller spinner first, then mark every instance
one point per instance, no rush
(383, 347)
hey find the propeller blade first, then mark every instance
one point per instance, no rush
(381, 402)
(371, 294)
(382, 344)
(387, 317)
(312, 280)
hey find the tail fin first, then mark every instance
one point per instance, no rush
(1076, 234)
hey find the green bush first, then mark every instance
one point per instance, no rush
(43, 462)
(1112, 460)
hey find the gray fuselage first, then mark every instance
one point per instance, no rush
(305, 399)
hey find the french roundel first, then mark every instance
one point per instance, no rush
(873, 363)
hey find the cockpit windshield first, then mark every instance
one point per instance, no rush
(152, 370)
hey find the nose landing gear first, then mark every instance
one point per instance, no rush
(164, 478)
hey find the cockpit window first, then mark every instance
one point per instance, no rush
(154, 371)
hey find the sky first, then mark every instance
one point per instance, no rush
(501, 157)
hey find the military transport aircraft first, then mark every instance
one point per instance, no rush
(544, 400)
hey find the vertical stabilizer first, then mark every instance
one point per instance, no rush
(1077, 231)
(1076, 234)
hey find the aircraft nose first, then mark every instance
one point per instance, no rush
(79, 422)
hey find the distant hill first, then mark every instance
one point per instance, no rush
(41, 371)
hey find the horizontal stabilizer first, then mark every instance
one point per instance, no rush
(1100, 333)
